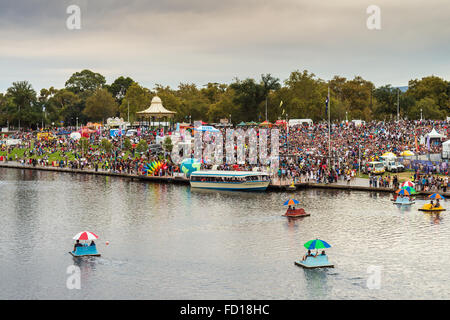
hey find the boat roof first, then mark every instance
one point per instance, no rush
(227, 173)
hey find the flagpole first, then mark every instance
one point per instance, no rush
(329, 127)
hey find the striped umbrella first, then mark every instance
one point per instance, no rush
(407, 184)
(403, 192)
(85, 235)
(316, 244)
(411, 190)
(436, 196)
(291, 202)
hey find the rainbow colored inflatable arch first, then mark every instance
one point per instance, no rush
(151, 169)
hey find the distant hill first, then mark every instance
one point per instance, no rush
(403, 89)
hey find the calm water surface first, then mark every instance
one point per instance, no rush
(168, 242)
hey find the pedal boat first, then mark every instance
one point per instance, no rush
(312, 262)
(85, 250)
(291, 187)
(296, 213)
(405, 201)
(427, 208)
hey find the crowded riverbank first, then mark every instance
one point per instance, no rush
(276, 185)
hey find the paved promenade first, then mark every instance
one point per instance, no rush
(359, 184)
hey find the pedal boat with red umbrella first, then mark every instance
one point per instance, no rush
(85, 248)
(291, 212)
(315, 260)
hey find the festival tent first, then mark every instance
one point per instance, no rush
(434, 134)
(75, 135)
(265, 124)
(446, 149)
(389, 155)
(281, 123)
(241, 124)
(252, 123)
(407, 153)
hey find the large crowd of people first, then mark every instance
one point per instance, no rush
(304, 151)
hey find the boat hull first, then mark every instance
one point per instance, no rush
(242, 186)
(433, 210)
(297, 213)
(85, 251)
(427, 208)
(315, 262)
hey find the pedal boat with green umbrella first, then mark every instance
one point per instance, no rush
(317, 260)
(82, 248)
(291, 212)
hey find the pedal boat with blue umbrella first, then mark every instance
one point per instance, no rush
(291, 212)
(82, 248)
(403, 198)
(317, 260)
(429, 207)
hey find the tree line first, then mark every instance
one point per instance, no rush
(87, 97)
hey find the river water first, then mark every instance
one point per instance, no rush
(169, 242)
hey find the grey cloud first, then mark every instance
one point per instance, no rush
(198, 41)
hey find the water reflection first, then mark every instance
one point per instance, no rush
(168, 241)
(316, 283)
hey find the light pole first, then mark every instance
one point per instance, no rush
(266, 105)
(77, 123)
(346, 120)
(421, 115)
(398, 104)
(128, 111)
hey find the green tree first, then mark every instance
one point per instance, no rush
(136, 99)
(248, 97)
(23, 98)
(358, 93)
(106, 145)
(167, 144)
(119, 88)
(431, 87)
(84, 144)
(127, 144)
(430, 110)
(386, 102)
(305, 95)
(142, 146)
(85, 81)
(268, 84)
(100, 105)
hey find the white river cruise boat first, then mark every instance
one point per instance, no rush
(230, 180)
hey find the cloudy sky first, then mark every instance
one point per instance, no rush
(199, 41)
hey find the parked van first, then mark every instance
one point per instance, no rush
(375, 167)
